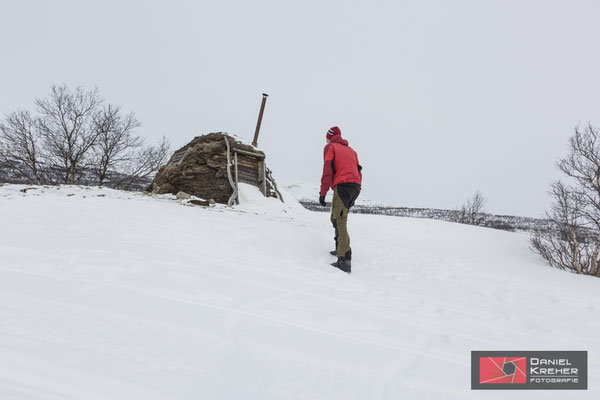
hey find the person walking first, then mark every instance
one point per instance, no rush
(343, 174)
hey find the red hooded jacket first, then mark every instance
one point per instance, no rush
(340, 165)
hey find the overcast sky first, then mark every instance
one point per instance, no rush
(439, 98)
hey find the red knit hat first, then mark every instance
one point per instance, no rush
(333, 132)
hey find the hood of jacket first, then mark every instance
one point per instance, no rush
(338, 139)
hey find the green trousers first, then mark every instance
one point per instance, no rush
(339, 219)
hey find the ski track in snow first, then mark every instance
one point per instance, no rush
(115, 295)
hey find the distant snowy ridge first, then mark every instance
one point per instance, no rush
(305, 192)
(307, 195)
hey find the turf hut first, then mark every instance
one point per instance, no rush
(211, 167)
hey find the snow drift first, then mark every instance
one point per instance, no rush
(115, 295)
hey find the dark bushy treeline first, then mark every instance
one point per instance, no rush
(502, 222)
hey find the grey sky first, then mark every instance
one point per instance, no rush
(439, 98)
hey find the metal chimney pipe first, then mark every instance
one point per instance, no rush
(260, 115)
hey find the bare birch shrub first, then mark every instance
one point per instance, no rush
(20, 147)
(67, 127)
(574, 244)
(116, 145)
(145, 163)
(472, 212)
(75, 137)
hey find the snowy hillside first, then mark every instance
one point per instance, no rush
(116, 295)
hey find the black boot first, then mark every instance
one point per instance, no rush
(348, 254)
(334, 252)
(343, 264)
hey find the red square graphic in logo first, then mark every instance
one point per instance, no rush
(502, 370)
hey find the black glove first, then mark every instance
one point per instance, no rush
(322, 201)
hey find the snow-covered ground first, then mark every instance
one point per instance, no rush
(114, 295)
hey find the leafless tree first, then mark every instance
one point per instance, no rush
(566, 246)
(145, 163)
(74, 137)
(575, 212)
(472, 212)
(20, 150)
(116, 145)
(66, 120)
